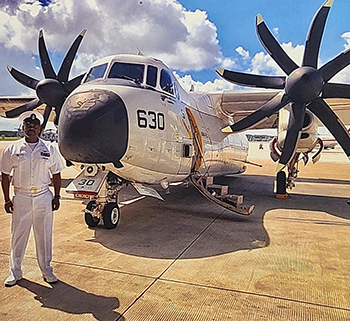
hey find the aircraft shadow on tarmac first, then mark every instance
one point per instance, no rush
(64, 297)
(188, 226)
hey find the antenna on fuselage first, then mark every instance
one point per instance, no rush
(139, 52)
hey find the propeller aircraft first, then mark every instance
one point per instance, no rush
(301, 99)
(128, 121)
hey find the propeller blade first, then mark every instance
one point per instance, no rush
(239, 78)
(46, 116)
(314, 36)
(273, 47)
(21, 109)
(295, 125)
(333, 90)
(330, 119)
(264, 112)
(45, 59)
(68, 60)
(23, 78)
(332, 67)
(73, 83)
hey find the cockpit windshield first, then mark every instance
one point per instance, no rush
(128, 71)
(96, 72)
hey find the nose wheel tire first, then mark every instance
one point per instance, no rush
(111, 215)
(91, 220)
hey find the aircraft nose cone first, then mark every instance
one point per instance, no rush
(93, 127)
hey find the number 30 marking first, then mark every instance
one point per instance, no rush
(88, 182)
(150, 119)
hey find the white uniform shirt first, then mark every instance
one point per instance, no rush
(31, 168)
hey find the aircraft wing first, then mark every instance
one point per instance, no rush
(238, 104)
(241, 104)
(341, 107)
(8, 103)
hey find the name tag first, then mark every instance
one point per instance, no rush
(45, 154)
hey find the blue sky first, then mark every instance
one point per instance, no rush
(193, 37)
(235, 22)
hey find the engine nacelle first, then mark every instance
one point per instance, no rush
(308, 137)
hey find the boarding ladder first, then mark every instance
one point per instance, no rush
(219, 194)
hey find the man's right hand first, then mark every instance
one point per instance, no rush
(9, 207)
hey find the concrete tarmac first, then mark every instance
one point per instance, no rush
(188, 259)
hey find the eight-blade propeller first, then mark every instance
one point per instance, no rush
(304, 87)
(54, 89)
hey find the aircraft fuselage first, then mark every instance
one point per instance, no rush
(131, 114)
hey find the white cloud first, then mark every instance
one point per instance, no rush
(217, 85)
(199, 47)
(295, 53)
(346, 37)
(184, 40)
(344, 75)
(275, 31)
(164, 29)
(227, 63)
(10, 6)
(243, 53)
(262, 63)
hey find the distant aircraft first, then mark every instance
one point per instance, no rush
(50, 135)
(128, 121)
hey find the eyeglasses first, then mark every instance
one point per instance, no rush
(28, 123)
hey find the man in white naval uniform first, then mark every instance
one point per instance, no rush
(33, 164)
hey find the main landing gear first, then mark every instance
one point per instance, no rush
(285, 179)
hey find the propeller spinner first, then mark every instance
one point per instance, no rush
(54, 89)
(304, 87)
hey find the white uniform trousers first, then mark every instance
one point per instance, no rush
(32, 210)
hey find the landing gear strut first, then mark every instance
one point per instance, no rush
(99, 188)
(92, 217)
(283, 181)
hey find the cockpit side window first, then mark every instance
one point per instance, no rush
(166, 82)
(96, 72)
(127, 71)
(152, 76)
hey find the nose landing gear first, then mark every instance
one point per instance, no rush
(100, 190)
(104, 205)
(108, 212)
